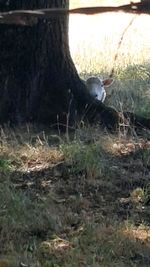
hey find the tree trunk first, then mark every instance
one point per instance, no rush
(38, 79)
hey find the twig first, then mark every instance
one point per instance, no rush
(119, 45)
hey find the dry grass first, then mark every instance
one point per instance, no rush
(84, 202)
(94, 44)
(78, 203)
(94, 40)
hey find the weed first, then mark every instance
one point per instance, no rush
(138, 195)
(5, 164)
(85, 158)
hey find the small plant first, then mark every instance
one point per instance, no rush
(5, 164)
(141, 195)
(145, 154)
(138, 195)
(147, 194)
(84, 158)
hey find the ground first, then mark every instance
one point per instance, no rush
(78, 202)
(83, 199)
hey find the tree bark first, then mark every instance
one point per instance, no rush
(38, 79)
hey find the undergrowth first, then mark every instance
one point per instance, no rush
(82, 200)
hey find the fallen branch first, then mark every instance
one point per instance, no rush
(30, 17)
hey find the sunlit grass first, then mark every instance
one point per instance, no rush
(69, 214)
(94, 41)
(94, 45)
(27, 152)
(84, 202)
(99, 245)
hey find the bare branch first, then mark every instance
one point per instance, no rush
(30, 17)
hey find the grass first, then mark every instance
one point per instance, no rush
(5, 164)
(87, 203)
(85, 158)
(96, 51)
(83, 200)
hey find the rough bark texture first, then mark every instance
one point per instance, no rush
(38, 79)
(31, 65)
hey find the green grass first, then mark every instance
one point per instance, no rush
(94, 46)
(98, 245)
(85, 158)
(5, 164)
(85, 205)
(83, 201)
